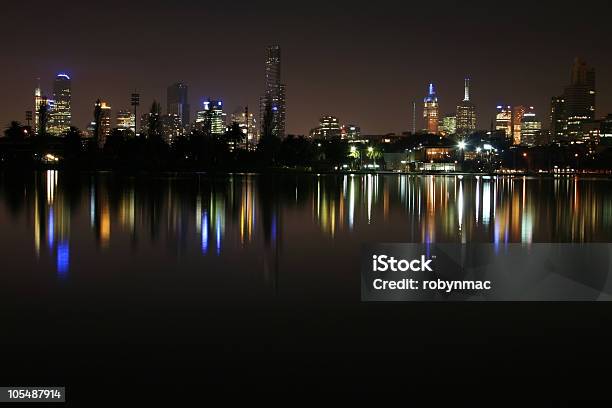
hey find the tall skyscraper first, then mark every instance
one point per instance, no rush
(503, 120)
(212, 116)
(466, 113)
(430, 111)
(531, 128)
(126, 120)
(517, 120)
(60, 118)
(273, 99)
(38, 100)
(558, 118)
(178, 103)
(105, 123)
(575, 109)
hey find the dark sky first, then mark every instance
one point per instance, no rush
(364, 63)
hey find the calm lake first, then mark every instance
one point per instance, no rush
(162, 274)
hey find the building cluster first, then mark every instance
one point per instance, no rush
(572, 116)
(53, 115)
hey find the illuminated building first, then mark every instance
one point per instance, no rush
(576, 107)
(126, 120)
(606, 130)
(212, 117)
(38, 100)
(350, 132)
(531, 128)
(247, 123)
(105, 122)
(273, 99)
(178, 104)
(430, 111)
(517, 120)
(503, 120)
(172, 127)
(329, 128)
(60, 117)
(558, 118)
(466, 113)
(448, 125)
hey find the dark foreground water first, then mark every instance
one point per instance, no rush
(250, 282)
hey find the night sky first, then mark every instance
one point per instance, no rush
(364, 63)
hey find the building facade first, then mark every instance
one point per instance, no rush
(329, 128)
(466, 113)
(430, 111)
(272, 102)
(60, 118)
(178, 103)
(503, 120)
(531, 128)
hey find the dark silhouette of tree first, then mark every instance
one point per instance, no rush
(15, 131)
(296, 151)
(72, 143)
(336, 151)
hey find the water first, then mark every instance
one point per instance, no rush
(158, 275)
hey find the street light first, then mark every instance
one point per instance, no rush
(462, 145)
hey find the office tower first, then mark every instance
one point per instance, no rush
(558, 118)
(606, 130)
(178, 103)
(60, 118)
(212, 117)
(247, 123)
(580, 98)
(350, 132)
(517, 120)
(272, 102)
(503, 120)
(466, 113)
(172, 127)
(448, 125)
(104, 127)
(531, 128)
(430, 111)
(329, 128)
(38, 99)
(575, 109)
(126, 120)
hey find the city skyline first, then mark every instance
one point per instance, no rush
(325, 73)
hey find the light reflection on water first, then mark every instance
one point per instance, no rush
(234, 213)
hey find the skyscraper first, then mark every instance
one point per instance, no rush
(576, 107)
(38, 100)
(126, 120)
(177, 102)
(430, 111)
(503, 120)
(273, 99)
(60, 118)
(531, 128)
(517, 120)
(466, 112)
(212, 117)
(558, 118)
